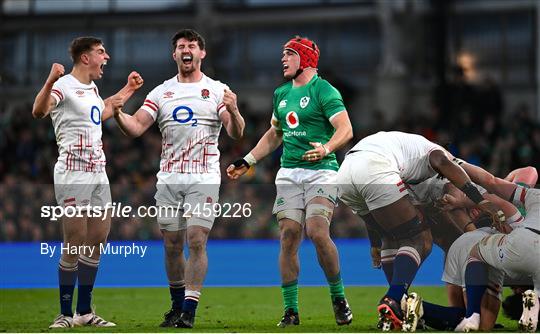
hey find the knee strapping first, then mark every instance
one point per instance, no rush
(388, 255)
(293, 214)
(409, 229)
(319, 210)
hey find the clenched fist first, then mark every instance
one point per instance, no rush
(57, 70)
(135, 80)
(229, 100)
(117, 103)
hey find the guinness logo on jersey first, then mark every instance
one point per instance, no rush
(292, 119)
(304, 102)
(205, 93)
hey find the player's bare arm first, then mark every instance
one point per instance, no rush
(343, 134)
(134, 82)
(44, 102)
(232, 119)
(492, 183)
(133, 125)
(453, 172)
(268, 143)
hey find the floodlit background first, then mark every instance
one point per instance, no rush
(460, 72)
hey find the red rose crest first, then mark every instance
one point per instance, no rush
(205, 93)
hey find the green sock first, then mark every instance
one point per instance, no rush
(290, 295)
(336, 287)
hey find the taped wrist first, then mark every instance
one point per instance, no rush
(250, 159)
(470, 190)
(241, 162)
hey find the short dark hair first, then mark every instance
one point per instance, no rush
(81, 45)
(190, 35)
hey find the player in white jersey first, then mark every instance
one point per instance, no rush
(516, 253)
(190, 109)
(77, 112)
(373, 180)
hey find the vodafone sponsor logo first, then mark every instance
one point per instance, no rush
(292, 119)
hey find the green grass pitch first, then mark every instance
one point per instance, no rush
(220, 310)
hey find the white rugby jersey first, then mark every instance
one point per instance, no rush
(188, 118)
(408, 152)
(531, 201)
(77, 125)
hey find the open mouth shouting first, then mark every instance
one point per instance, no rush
(187, 59)
(102, 66)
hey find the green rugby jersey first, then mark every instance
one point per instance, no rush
(304, 114)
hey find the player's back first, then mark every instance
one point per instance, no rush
(408, 152)
(188, 118)
(532, 205)
(77, 125)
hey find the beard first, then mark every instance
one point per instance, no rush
(186, 70)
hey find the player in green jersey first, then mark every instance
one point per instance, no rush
(311, 121)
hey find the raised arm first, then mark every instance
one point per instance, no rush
(44, 102)
(232, 119)
(134, 82)
(132, 125)
(268, 143)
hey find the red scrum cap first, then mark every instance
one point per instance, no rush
(306, 49)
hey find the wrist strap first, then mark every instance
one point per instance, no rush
(250, 159)
(326, 150)
(472, 192)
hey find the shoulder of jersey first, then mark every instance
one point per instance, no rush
(283, 87)
(63, 80)
(322, 83)
(215, 83)
(167, 83)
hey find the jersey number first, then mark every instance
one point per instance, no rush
(184, 120)
(93, 111)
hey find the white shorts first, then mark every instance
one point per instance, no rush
(77, 188)
(297, 186)
(368, 181)
(456, 262)
(192, 193)
(516, 254)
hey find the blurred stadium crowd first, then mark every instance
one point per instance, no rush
(474, 126)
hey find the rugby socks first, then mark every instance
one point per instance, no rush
(387, 263)
(476, 280)
(406, 264)
(191, 300)
(336, 287)
(88, 268)
(290, 295)
(67, 276)
(177, 290)
(442, 317)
